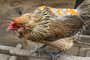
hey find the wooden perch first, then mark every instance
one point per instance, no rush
(15, 51)
(23, 52)
(84, 36)
(69, 57)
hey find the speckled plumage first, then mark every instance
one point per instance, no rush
(39, 28)
(52, 30)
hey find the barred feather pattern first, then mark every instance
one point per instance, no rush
(51, 30)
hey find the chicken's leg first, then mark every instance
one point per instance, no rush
(54, 55)
(41, 49)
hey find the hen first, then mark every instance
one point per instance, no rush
(51, 31)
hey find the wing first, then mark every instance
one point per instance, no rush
(51, 30)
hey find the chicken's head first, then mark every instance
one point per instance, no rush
(19, 22)
(27, 19)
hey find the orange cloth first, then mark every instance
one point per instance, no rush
(60, 11)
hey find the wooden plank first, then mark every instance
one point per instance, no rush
(15, 51)
(4, 57)
(68, 57)
(12, 58)
(85, 36)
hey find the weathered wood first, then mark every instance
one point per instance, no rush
(12, 58)
(62, 57)
(68, 57)
(15, 51)
(22, 52)
(85, 36)
(4, 57)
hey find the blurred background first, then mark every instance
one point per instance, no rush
(13, 8)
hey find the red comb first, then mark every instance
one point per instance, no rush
(10, 27)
